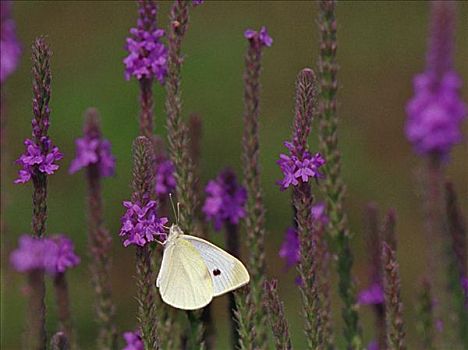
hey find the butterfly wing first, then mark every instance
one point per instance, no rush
(184, 280)
(226, 271)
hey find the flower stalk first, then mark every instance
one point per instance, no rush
(393, 303)
(63, 306)
(99, 241)
(277, 319)
(143, 189)
(253, 311)
(334, 186)
(178, 140)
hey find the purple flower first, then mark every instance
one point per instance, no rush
(435, 114)
(373, 345)
(261, 37)
(464, 283)
(147, 56)
(318, 212)
(165, 179)
(141, 225)
(197, 2)
(225, 200)
(38, 159)
(436, 111)
(10, 49)
(34, 254)
(372, 295)
(66, 257)
(93, 150)
(53, 255)
(289, 250)
(133, 341)
(298, 167)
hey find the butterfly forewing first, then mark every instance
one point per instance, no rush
(226, 271)
(184, 280)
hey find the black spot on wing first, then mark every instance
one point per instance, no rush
(216, 272)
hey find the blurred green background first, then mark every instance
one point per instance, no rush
(381, 46)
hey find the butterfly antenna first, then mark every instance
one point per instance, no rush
(176, 213)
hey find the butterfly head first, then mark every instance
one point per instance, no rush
(175, 231)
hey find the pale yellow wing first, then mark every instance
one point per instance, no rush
(226, 271)
(184, 281)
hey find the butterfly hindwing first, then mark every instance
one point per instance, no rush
(226, 271)
(184, 280)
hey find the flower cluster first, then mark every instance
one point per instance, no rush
(262, 36)
(225, 200)
(290, 249)
(52, 255)
(93, 150)
(141, 225)
(147, 56)
(133, 341)
(435, 113)
(66, 257)
(10, 48)
(38, 158)
(197, 2)
(164, 176)
(372, 295)
(299, 167)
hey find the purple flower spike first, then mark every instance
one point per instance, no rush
(225, 201)
(37, 158)
(289, 250)
(133, 341)
(436, 111)
(197, 2)
(372, 295)
(93, 150)
(299, 167)
(147, 56)
(34, 254)
(66, 257)
(165, 179)
(141, 225)
(262, 36)
(10, 49)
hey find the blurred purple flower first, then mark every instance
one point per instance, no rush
(10, 49)
(147, 56)
(37, 159)
(66, 257)
(464, 283)
(298, 167)
(133, 341)
(53, 255)
(373, 345)
(372, 295)
(93, 150)
(289, 250)
(435, 114)
(34, 254)
(262, 36)
(436, 111)
(141, 225)
(197, 2)
(225, 200)
(318, 212)
(165, 179)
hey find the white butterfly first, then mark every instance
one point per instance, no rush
(193, 271)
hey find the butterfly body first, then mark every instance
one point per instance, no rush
(193, 271)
